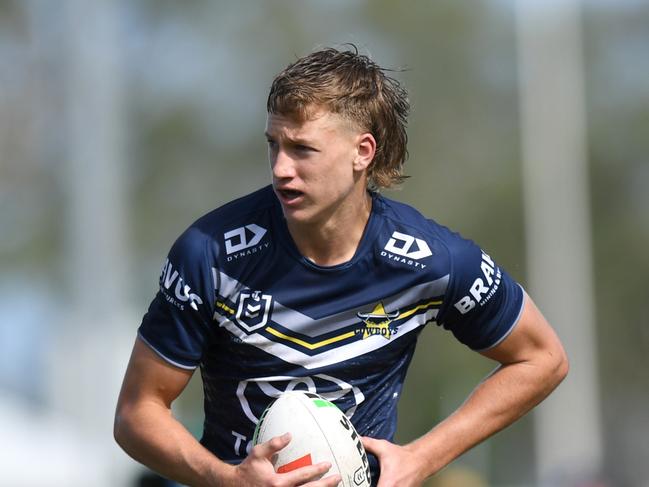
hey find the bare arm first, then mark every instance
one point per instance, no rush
(532, 363)
(148, 432)
(146, 429)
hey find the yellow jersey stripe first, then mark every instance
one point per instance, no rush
(224, 307)
(344, 336)
(412, 311)
(310, 346)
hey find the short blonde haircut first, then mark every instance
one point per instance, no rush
(355, 87)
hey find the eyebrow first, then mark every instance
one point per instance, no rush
(292, 140)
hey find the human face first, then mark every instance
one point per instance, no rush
(318, 166)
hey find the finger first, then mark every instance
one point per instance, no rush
(304, 474)
(330, 481)
(272, 446)
(373, 445)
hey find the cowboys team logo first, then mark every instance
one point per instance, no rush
(378, 322)
(253, 310)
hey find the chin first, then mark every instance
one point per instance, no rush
(298, 216)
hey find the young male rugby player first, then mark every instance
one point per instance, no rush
(318, 282)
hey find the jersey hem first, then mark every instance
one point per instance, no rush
(511, 328)
(165, 358)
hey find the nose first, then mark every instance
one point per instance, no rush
(282, 165)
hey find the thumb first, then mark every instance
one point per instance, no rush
(373, 445)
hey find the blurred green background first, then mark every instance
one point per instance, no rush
(161, 105)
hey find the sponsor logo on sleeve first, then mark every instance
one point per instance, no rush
(406, 249)
(180, 294)
(483, 288)
(244, 241)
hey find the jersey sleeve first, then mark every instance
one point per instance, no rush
(483, 303)
(176, 326)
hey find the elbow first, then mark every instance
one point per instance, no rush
(121, 429)
(118, 429)
(561, 366)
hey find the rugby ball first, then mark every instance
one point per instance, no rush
(319, 432)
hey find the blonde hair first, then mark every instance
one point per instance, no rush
(355, 87)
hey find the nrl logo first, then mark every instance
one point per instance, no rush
(253, 310)
(377, 322)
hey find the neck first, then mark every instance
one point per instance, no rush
(334, 240)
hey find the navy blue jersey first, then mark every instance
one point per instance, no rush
(238, 299)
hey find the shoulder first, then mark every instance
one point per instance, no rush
(223, 222)
(481, 303)
(215, 236)
(397, 211)
(236, 211)
(190, 262)
(438, 249)
(409, 221)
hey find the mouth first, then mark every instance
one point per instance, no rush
(289, 196)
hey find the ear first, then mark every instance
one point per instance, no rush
(365, 151)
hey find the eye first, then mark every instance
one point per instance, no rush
(271, 144)
(304, 148)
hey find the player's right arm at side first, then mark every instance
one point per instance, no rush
(148, 432)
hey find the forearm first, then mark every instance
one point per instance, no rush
(502, 398)
(150, 434)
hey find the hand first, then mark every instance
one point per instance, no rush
(258, 471)
(400, 466)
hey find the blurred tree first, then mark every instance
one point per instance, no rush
(618, 100)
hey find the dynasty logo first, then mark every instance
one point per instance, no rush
(244, 241)
(407, 250)
(377, 322)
